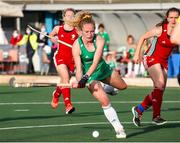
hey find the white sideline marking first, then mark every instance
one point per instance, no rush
(81, 102)
(75, 124)
(21, 110)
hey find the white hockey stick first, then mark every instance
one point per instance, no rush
(68, 85)
(59, 41)
(28, 84)
(14, 83)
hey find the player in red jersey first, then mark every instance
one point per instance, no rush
(156, 62)
(63, 59)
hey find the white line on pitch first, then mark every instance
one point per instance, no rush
(75, 124)
(80, 102)
(21, 110)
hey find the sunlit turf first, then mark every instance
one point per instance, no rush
(26, 116)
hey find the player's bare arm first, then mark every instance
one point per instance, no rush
(97, 55)
(156, 31)
(176, 34)
(76, 55)
(54, 33)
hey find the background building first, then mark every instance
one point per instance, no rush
(120, 17)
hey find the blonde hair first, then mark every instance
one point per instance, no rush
(81, 18)
(68, 9)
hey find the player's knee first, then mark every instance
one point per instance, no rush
(96, 86)
(104, 101)
(160, 85)
(173, 40)
(106, 106)
(124, 86)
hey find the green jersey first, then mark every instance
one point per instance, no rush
(102, 71)
(131, 53)
(107, 40)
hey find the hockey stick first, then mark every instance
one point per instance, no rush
(13, 83)
(59, 41)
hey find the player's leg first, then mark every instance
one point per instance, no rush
(159, 77)
(66, 92)
(116, 81)
(152, 99)
(129, 69)
(97, 91)
(110, 89)
(56, 93)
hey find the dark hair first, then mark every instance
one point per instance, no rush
(173, 9)
(68, 9)
(101, 26)
(130, 36)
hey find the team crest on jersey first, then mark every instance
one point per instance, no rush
(164, 42)
(62, 35)
(73, 36)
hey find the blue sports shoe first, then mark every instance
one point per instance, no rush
(136, 117)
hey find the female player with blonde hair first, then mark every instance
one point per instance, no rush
(63, 59)
(91, 68)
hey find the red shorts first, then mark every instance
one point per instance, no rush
(149, 61)
(69, 62)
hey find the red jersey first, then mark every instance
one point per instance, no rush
(63, 55)
(161, 47)
(68, 37)
(15, 40)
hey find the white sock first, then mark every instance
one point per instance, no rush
(112, 117)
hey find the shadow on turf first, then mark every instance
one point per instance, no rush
(152, 128)
(15, 92)
(86, 114)
(30, 118)
(76, 114)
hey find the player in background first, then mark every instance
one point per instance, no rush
(91, 68)
(63, 59)
(101, 32)
(105, 35)
(156, 62)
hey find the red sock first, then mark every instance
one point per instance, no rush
(57, 92)
(157, 96)
(66, 96)
(147, 102)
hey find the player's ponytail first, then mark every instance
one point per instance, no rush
(81, 18)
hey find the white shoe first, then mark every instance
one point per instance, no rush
(120, 134)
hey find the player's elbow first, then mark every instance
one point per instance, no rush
(173, 40)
